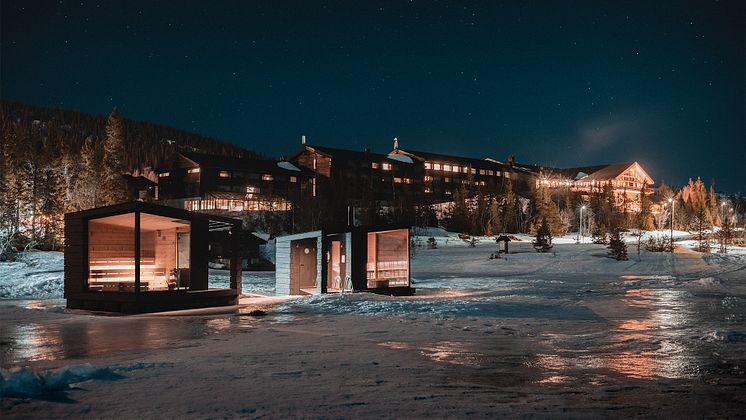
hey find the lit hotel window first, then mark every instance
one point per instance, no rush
(252, 190)
(428, 165)
(456, 168)
(267, 177)
(386, 166)
(428, 190)
(490, 172)
(428, 178)
(448, 179)
(374, 165)
(473, 171)
(407, 180)
(465, 170)
(163, 175)
(436, 166)
(193, 171)
(397, 180)
(447, 167)
(481, 172)
(224, 174)
(293, 179)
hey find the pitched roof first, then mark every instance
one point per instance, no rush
(460, 160)
(590, 173)
(341, 153)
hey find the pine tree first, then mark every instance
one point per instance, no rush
(543, 241)
(509, 208)
(617, 246)
(645, 220)
(114, 186)
(546, 208)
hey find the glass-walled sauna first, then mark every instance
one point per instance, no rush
(388, 258)
(164, 262)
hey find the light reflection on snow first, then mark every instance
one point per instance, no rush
(650, 343)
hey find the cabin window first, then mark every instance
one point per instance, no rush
(428, 178)
(267, 177)
(473, 171)
(436, 166)
(164, 253)
(398, 180)
(481, 172)
(193, 170)
(407, 180)
(163, 175)
(490, 172)
(447, 167)
(428, 165)
(374, 165)
(386, 166)
(293, 179)
(388, 258)
(224, 174)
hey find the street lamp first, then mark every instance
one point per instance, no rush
(670, 201)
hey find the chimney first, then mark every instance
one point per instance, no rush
(282, 158)
(396, 144)
(511, 160)
(303, 139)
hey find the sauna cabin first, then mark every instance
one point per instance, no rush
(140, 257)
(366, 258)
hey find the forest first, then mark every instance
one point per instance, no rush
(54, 161)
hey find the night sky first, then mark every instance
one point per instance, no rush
(554, 83)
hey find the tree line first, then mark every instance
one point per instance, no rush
(54, 161)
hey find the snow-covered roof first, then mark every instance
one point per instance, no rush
(289, 166)
(400, 158)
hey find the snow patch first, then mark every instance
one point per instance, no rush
(25, 382)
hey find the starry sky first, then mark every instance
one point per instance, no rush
(554, 83)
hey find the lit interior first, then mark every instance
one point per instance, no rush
(164, 253)
(388, 258)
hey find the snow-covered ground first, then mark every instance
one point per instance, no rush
(566, 333)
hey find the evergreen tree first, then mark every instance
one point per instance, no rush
(617, 246)
(543, 240)
(546, 208)
(509, 208)
(114, 186)
(645, 220)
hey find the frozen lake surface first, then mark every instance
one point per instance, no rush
(564, 333)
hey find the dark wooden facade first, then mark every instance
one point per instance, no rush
(210, 182)
(80, 296)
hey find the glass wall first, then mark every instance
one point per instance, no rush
(388, 258)
(164, 253)
(111, 253)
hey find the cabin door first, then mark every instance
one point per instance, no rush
(303, 275)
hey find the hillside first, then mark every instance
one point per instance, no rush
(145, 143)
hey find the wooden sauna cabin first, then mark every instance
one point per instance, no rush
(140, 257)
(365, 258)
